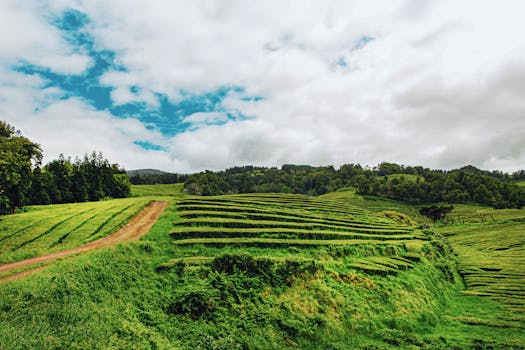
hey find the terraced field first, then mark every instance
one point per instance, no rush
(272, 224)
(371, 203)
(492, 259)
(51, 228)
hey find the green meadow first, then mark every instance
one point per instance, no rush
(270, 271)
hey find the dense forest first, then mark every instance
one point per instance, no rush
(24, 181)
(405, 183)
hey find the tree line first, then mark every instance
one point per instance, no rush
(152, 179)
(415, 185)
(24, 181)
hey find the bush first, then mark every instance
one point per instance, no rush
(271, 271)
(193, 301)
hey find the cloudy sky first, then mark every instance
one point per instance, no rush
(189, 85)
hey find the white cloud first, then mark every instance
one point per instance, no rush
(441, 84)
(26, 35)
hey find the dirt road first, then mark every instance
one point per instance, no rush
(132, 231)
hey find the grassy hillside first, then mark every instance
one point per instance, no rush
(490, 248)
(271, 271)
(49, 228)
(491, 259)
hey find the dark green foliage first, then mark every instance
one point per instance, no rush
(152, 177)
(24, 182)
(121, 186)
(193, 301)
(518, 175)
(467, 184)
(409, 184)
(289, 179)
(18, 156)
(271, 271)
(436, 213)
(90, 179)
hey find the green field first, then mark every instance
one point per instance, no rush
(371, 203)
(492, 260)
(281, 221)
(273, 271)
(156, 190)
(490, 245)
(45, 229)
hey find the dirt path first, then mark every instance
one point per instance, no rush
(132, 231)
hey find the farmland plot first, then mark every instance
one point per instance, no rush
(272, 224)
(51, 228)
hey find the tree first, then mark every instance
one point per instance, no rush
(482, 195)
(436, 213)
(363, 184)
(389, 169)
(121, 186)
(41, 184)
(61, 173)
(18, 156)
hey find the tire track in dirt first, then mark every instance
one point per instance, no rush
(132, 231)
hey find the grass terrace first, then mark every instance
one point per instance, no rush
(491, 260)
(298, 225)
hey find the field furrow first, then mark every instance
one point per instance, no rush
(276, 221)
(46, 229)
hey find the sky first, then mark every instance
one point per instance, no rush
(189, 85)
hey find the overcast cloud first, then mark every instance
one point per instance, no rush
(184, 86)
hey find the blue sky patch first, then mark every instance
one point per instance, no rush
(135, 89)
(362, 42)
(149, 146)
(252, 98)
(167, 116)
(342, 62)
(71, 20)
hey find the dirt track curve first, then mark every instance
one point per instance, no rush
(132, 231)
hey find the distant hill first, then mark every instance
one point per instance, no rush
(146, 172)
